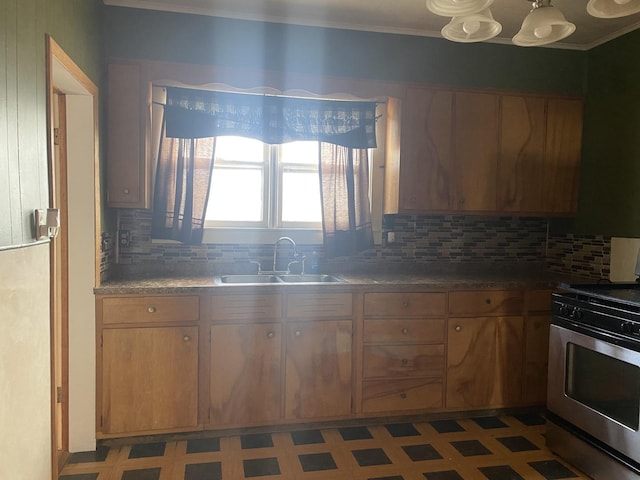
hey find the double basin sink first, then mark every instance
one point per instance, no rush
(271, 278)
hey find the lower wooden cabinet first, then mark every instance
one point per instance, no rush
(318, 369)
(245, 381)
(484, 362)
(149, 379)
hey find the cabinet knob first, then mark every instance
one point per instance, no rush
(186, 338)
(125, 191)
(403, 395)
(151, 309)
(297, 333)
(405, 304)
(458, 328)
(405, 361)
(271, 334)
(405, 330)
(488, 301)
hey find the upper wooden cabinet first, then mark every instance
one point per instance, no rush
(486, 153)
(128, 112)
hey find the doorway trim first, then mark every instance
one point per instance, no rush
(65, 77)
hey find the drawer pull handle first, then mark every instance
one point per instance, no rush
(271, 334)
(297, 333)
(405, 304)
(405, 361)
(405, 330)
(488, 301)
(151, 309)
(458, 328)
(186, 338)
(403, 395)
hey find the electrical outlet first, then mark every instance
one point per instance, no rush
(124, 237)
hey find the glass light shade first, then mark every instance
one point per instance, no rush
(454, 8)
(475, 27)
(612, 8)
(544, 25)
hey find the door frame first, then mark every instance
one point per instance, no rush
(65, 77)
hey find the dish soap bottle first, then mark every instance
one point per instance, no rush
(314, 264)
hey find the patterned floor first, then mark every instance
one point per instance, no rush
(493, 448)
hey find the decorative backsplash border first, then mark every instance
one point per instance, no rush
(579, 255)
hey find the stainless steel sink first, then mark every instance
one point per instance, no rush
(281, 278)
(310, 278)
(249, 279)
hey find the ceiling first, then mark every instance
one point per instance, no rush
(409, 17)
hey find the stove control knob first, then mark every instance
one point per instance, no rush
(626, 327)
(576, 313)
(564, 310)
(635, 329)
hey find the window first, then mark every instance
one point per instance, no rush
(268, 187)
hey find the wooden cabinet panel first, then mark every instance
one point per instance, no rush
(149, 379)
(522, 159)
(426, 150)
(539, 300)
(391, 330)
(562, 156)
(536, 358)
(423, 304)
(397, 395)
(476, 151)
(252, 308)
(318, 369)
(486, 302)
(484, 362)
(127, 173)
(150, 309)
(403, 361)
(245, 386)
(319, 305)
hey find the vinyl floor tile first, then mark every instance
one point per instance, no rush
(480, 448)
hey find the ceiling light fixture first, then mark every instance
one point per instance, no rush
(472, 20)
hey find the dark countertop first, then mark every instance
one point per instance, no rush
(440, 278)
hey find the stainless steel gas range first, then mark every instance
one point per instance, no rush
(593, 397)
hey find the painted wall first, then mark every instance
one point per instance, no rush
(610, 184)
(24, 285)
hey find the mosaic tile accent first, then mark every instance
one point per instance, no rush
(582, 255)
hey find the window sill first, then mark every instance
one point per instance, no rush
(258, 236)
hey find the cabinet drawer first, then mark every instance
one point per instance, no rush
(539, 300)
(246, 307)
(412, 394)
(486, 302)
(404, 304)
(319, 305)
(403, 330)
(403, 361)
(150, 309)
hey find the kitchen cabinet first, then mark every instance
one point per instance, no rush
(475, 152)
(148, 364)
(128, 121)
(403, 351)
(318, 356)
(426, 150)
(485, 333)
(149, 379)
(536, 347)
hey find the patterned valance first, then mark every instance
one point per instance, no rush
(191, 113)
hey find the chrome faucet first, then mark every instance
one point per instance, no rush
(275, 250)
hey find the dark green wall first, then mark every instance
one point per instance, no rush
(610, 184)
(145, 34)
(76, 26)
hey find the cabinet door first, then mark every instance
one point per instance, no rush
(522, 144)
(563, 153)
(484, 362)
(127, 182)
(318, 369)
(476, 152)
(536, 358)
(425, 176)
(245, 386)
(149, 379)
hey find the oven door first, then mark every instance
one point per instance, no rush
(595, 386)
